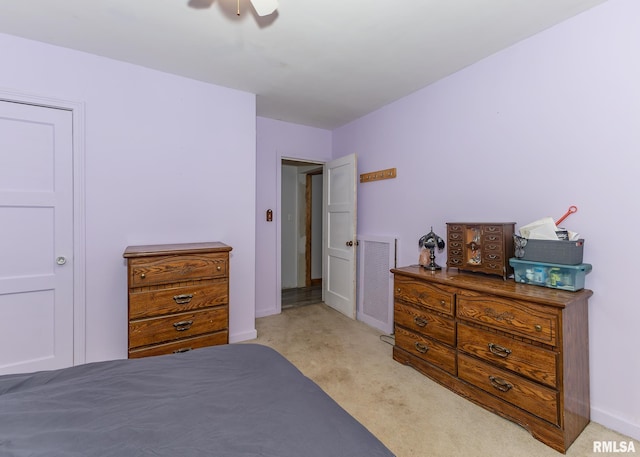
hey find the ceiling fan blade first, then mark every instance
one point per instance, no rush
(264, 7)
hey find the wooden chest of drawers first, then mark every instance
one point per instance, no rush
(481, 247)
(178, 297)
(518, 350)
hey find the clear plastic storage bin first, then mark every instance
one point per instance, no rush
(554, 275)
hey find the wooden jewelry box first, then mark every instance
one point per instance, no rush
(484, 247)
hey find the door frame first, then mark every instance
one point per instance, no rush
(79, 220)
(308, 232)
(277, 219)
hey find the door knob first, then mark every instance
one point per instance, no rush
(61, 260)
(349, 243)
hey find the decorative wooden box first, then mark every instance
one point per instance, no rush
(484, 247)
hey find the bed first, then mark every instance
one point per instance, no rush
(236, 400)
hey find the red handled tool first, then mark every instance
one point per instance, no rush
(572, 209)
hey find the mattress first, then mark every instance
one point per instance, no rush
(235, 400)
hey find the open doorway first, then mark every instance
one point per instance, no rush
(301, 232)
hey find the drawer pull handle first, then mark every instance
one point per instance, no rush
(180, 351)
(538, 328)
(420, 321)
(182, 299)
(500, 384)
(219, 268)
(422, 348)
(142, 275)
(499, 350)
(182, 325)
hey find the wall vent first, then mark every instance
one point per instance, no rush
(376, 256)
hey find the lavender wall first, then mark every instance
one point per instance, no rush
(277, 140)
(167, 160)
(550, 122)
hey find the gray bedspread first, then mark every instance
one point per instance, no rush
(235, 400)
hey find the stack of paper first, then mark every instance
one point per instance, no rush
(544, 229)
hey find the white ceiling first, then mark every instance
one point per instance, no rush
(321, 63)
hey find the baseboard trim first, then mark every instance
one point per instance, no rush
(266, 312)
(244, 336)
(615, 423)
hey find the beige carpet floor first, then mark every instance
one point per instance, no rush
(410, 414)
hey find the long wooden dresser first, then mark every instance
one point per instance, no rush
(518, 350)
(178, 297)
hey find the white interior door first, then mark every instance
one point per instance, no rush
(339, 246)
(36, 238)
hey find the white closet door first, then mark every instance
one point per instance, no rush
(36, 238)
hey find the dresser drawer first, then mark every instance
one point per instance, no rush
(417, 292)
(427, 349)
(530, 361)
(494, 256)
(492, 247)
(183, 345)
(534, 398)
(457, 246)
(177, 299)
(425, 322)
(176, 268)
(145, 332)
(493, 267)
(455, 261)
(493, 236)
(512, 316)
(492, 229)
